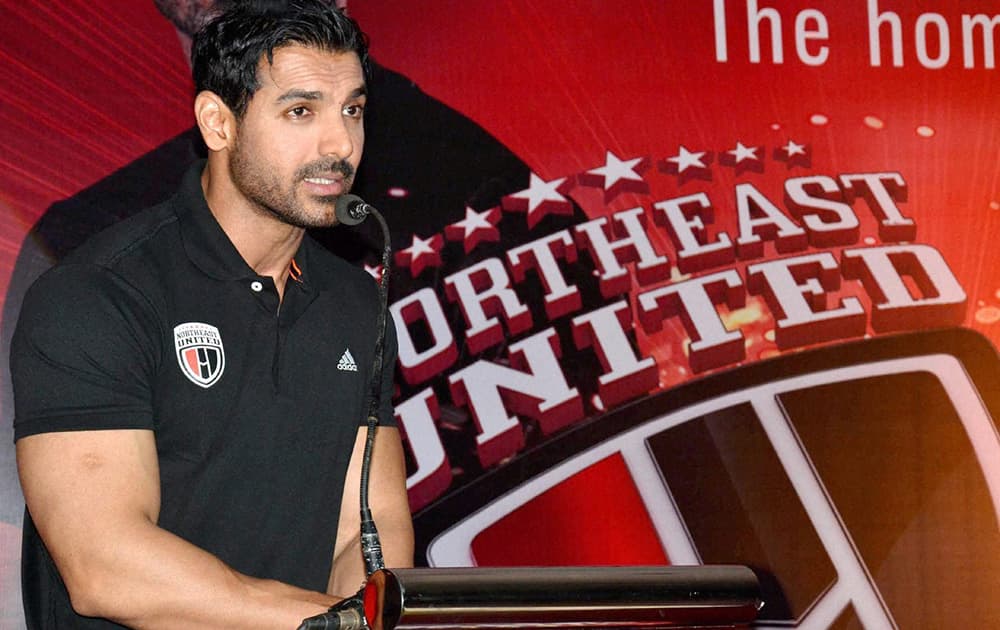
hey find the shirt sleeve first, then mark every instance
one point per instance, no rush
(83, 354)
(386, 414)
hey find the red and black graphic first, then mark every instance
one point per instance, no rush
(200, 353)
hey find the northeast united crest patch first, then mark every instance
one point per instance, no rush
(199, 352)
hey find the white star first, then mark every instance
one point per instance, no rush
(794, 149)
(422, 253)
(540, 191)
(420, 246)
(615, 169)
(474, 221)
(685, 159)
(744, 153)
(475, 228)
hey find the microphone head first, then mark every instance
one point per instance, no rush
(350, 209)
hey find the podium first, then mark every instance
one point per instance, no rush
(563, 597)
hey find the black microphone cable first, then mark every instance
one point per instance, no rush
(352, 210)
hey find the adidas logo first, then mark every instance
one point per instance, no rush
(347, 363)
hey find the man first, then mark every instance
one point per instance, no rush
(189, 385)
(414, 143)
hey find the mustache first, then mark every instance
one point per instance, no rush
(326, 167)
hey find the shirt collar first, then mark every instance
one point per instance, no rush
(207, 244)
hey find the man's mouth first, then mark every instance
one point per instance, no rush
(325, 186)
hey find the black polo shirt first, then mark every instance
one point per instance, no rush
(158, 323)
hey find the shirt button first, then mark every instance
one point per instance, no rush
(256, 286)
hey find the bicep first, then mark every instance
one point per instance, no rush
(85, 489)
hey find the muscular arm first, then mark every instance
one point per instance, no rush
(390, 509)
(94, 497)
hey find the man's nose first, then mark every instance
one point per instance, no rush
(336, 139)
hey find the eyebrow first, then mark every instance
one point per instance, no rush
(312, 95)
(300, 95)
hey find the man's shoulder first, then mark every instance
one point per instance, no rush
(122, 259)
(128, 239)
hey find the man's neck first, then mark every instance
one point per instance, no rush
(266, 243)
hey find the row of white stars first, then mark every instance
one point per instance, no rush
(616, 170)
(542, 197)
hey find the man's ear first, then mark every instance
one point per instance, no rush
(215, 120)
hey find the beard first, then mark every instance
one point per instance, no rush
(262, 185)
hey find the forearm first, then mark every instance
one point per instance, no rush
(390, 510)
(398, 550)
(153, 579)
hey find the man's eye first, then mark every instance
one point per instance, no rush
(298, 112)
(354, 111)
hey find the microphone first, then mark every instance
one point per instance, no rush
(352, 210)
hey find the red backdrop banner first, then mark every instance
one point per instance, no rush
(675, 282)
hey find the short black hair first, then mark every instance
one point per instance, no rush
(226, 52)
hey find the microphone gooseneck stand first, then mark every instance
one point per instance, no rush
(371, 547)
(349, 613)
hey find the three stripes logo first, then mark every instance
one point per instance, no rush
(346, 363)
(200, 353)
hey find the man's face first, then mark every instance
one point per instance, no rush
(300, 141)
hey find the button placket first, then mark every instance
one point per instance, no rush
(263, 291)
